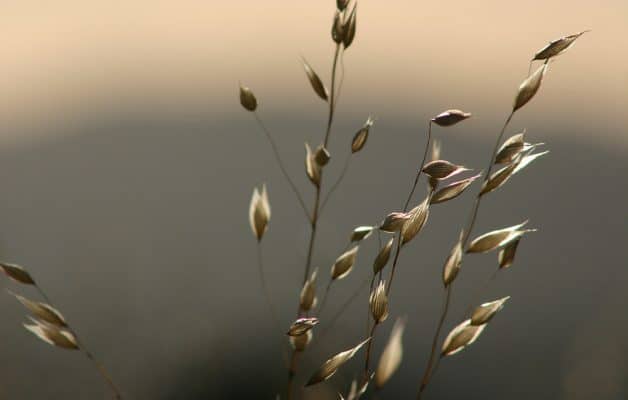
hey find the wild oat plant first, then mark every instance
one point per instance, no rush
(444, 184)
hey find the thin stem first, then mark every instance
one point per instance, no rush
(465, 238)
(428, 369)
(101, 369)
(282, 167)
(333, 188)
(394, 264)
(262, 277)
(292, 371)
(332, 100)
(369, 346)
(324, 301)
(418, 175)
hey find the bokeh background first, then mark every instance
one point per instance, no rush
(127, 166)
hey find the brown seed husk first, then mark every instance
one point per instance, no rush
(302, 325)
(299, 343)
(391, 356)
(342, 4)
(307, 298)
(361, 233)
(529, 87)
(460, 337)
(343, 265)
(312, 169)
(322, 156)
(526, 159)
(453, 263)
(510, 149)
(383, 256)
(378, 302)
(52, 335)
(337, 28)
(498, 178)
(42, 311)
(330, 367)
(247, 98)
(349, 28)
(556, 47)
(496, 239)
(360, 137)
(485, 312)
(441, 169)
(17, 273)
(315, 81)
(450, 117)
(416, 222)
(506, 256)
(259, 212)
(394, 221)
(452, 190)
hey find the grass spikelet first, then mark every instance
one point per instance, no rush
(331, 366)
(17, 273)
(392, 355)
(343, 265)
(460, 337)
(486, 311)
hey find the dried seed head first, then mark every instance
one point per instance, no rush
(529, 87)
(485, 312)
(315, 81)
(17, 273)
(321, 156)
(329, 368)
(349, 28)
(359, 139)
(510, 149)
(413, 225)
(247, 98)
(460, 337)
(302, 325)
(441, 169)
(42, 311)
(379, 303)
(383, 256)
(498, 238)
(342, 4)
(307, 299)
(361, 233)
(337, 28)
(450, 117)
(52, 334)
(391, 356)
(312, 168)
(452, 190)
(453, 263)
(299, 343)
(498, 178)
(394, 221)
(526, 159)
(506, 256)
(259, 212)
(344, 264)
(556, 47)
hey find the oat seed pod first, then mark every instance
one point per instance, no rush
(247, 98)
(344, 264)
(498, 178)
(299, 343)
(312, 169)
(510, 149)
(259, 212)
(337, 31)
(379, 303)
(307, 299)
(322, 156)
(529, 87)
(349, 28)
(301, 326)
(418, 218)
(391, 356)
(485, 312)
(52, 334)
(460, 337)
(342, 4)
(526, 159)
(360, 233)
(442, 169)
(498, 238)
(42, 311)
(453, 263)
(383, 256)
(557, 47)
(506, 256)
(331, 366)
(452, 190)
(394, 221)
(360, 137)
(17, 273)
(450, 117)
(315, 81)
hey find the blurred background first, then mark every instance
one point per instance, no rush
(127, 166)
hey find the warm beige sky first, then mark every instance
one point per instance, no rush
(67, 60)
